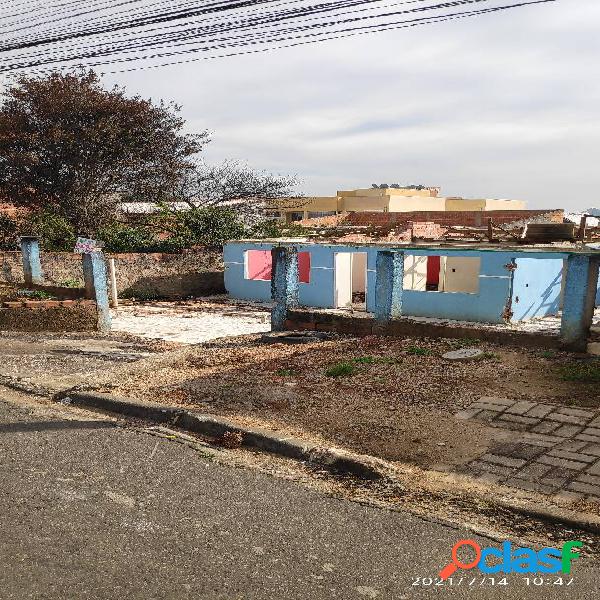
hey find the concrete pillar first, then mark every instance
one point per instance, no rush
(284, 284)
(96, 287)
(579, 300)
(389, 279)
(32, 267)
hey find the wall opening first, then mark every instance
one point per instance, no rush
(435, 273)
(258, 265)
(351, 280)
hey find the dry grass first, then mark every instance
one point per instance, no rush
(390, 397)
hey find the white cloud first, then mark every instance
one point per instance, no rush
(503, 105)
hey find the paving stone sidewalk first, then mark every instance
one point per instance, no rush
(555, 449)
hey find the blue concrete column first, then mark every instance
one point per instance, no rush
(579, 300)
(284, 284)
(389, 280)
(32, 266)
(96, 287)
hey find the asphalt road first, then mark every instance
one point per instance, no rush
(90, 510)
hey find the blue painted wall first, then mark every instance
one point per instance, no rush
(536, 288)
(319, 292)
(485, 306)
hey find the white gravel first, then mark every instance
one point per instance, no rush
(199, 321)
(190, 322)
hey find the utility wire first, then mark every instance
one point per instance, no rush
(120, 32)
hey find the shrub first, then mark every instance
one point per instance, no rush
(125, 238)
(210, 226)
(270, 228)
(55, 232)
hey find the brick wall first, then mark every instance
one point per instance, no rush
(468, 218)
(196, 272)
(426, 230)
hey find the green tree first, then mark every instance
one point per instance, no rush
(70, 147)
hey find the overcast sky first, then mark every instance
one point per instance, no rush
(502, 106)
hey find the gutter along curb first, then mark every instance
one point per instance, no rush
(337, 461)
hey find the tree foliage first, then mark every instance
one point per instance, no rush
(71, 147)
(8, 232)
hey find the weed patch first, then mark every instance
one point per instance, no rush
(584, 372)
(419, 351)
(343, 369)
(286, 372)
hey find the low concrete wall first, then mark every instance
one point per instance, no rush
(192, 273)
(301, 320)
(49, 315)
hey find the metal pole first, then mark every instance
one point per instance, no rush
(114, 297)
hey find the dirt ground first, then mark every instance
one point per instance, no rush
(397, 402)
(60, 360)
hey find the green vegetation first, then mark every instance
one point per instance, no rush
(548, 354)
(124, 238)
(35, 295)
(419, 351)
(286, 372)
(72, 152)
(490, 356)
(364, 360)
(584, 371)
(71, 283)
(55, 232)
(342, 369)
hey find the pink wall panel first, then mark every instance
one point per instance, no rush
(258, 265)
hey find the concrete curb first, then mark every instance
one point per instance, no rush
(333, 459)
(23, 386)
(577, 520)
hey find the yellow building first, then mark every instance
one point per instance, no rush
(384, 200)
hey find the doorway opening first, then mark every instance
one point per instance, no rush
(351, 280)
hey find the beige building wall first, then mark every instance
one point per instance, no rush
(505, 204)
(364, 203)
(459, 274)
(483, 204)
(463, 204)
(359, 271)
(389, 199)
(415, 203)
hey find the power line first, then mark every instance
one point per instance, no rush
(162, 30)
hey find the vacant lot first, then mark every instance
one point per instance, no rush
(395, 398)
